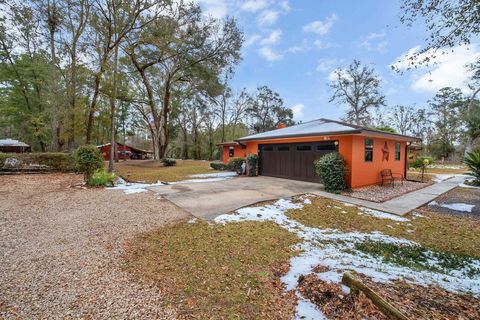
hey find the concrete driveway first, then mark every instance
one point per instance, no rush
(210, 199)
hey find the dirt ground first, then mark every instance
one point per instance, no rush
(62, 249)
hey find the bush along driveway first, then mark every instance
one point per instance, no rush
(313, 240)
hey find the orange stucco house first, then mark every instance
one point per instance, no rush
(290, 152)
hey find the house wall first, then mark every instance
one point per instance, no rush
(105, 150)
(368, 173)
(352, 148)
(237, 152)
(344, 147)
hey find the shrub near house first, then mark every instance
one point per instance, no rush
(331, 170)
(472, 160)
(89, 160)
(235, 164)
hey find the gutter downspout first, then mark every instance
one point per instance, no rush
(406, 160)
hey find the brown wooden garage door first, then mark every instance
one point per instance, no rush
(293, 160)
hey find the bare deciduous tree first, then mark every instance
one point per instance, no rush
(358, 88)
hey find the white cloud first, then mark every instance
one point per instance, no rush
(321, 27)
(267, 17)
(445, 70)
(215, 8)
(253, 5)
(404, 61)
(332, 76)
(273, 37)
(298, 111)
(374, 42)
(269, 54)
(285, 5)
(303, 47)
(325, 65)
(322, 44)
(251, 40)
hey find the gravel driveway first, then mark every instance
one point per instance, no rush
(62, 249)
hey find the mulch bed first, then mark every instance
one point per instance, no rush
(378, 193)
(457, 195)
(415, 301)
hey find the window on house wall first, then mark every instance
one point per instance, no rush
(268, 148)
(368, 150)
(304, 148)
(231, 151)
(283, 148)
(397, 150)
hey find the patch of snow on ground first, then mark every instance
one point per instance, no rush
(462, 207)
(133, 187)
(336, 250)
(444, 166)
(464, 185)
(381, 214)
(346, 204)
(418, 215)
(307, 310)
(214, 175)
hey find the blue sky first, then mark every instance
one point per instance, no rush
(293, 47)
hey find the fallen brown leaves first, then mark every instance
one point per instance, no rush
(419, 302)
(335, 303)
(213, 271)
(415, 301)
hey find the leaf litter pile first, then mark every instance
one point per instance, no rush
(414, 301)
(260, 262)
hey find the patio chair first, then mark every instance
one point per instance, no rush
(389, 177)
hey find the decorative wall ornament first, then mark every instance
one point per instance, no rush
(386, 152)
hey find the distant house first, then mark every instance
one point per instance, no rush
(290, 152)
(124, 152)
(14, 146)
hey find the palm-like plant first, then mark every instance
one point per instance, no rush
(472, 160)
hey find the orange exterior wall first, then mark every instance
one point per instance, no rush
(352, 148)
(238, 152)
(368, 173)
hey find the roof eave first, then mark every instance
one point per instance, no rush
(393, 136)
(332, 133)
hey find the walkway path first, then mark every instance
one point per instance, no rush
(403, 204)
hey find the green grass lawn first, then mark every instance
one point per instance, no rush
(151, 171)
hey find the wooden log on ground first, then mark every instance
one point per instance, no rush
(383, 305)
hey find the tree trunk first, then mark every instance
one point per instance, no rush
(113, 97)
(356, 285)
(93, 106)
(73, 97)
(164, 137)
(52, 26)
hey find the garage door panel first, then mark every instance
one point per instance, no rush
(293, 161)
